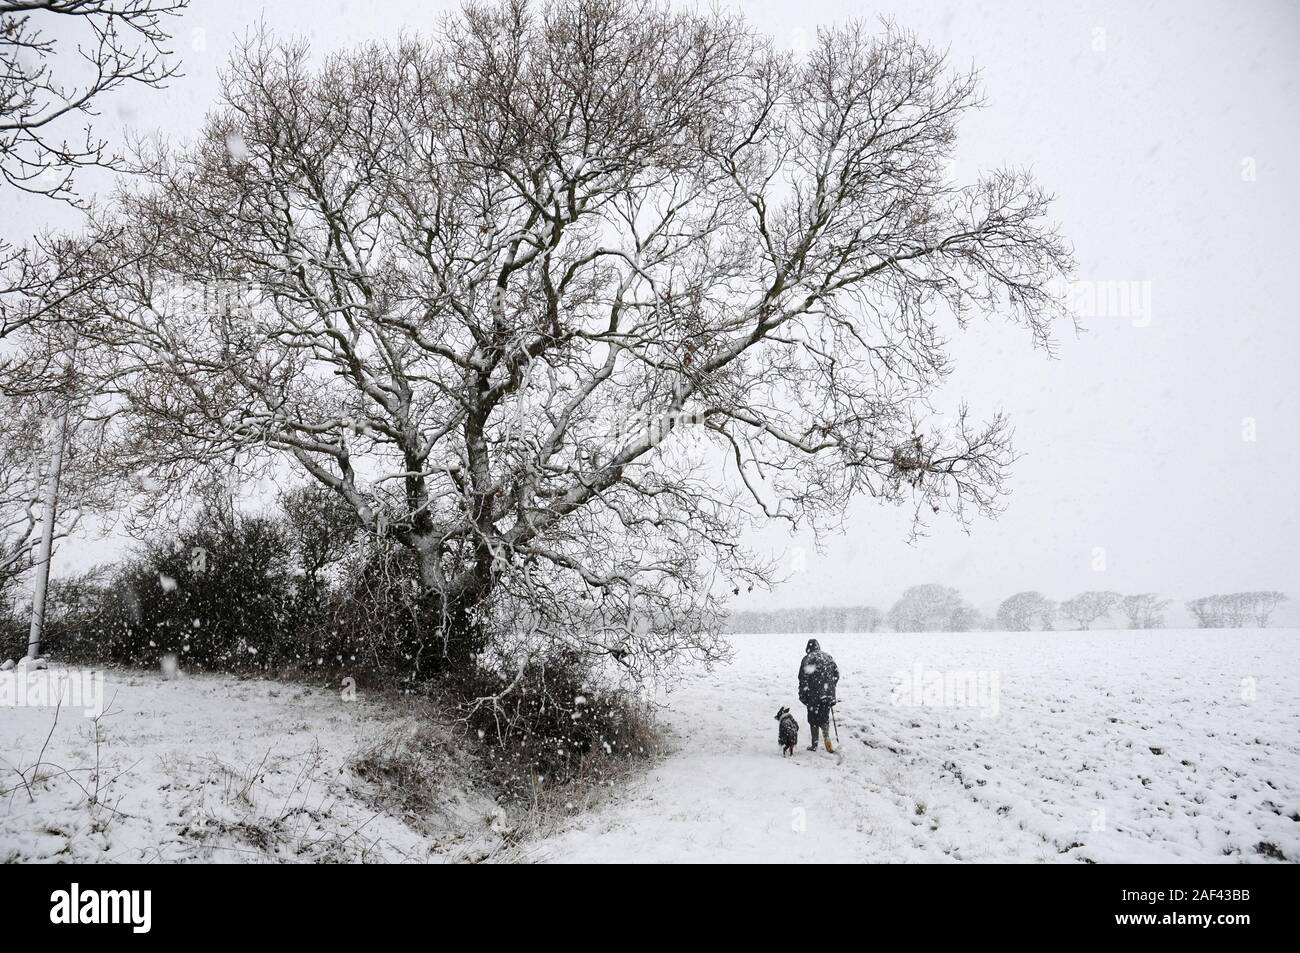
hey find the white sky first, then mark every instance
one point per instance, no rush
(1142, 118)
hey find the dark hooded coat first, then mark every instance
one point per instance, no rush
(818, 675)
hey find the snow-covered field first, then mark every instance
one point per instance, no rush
(215, 768)
(1059, 747)
(1090, 746)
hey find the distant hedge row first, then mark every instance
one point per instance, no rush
(937, 608)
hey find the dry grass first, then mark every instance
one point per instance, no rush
(294, 827)
(406, 772)
(408, 767)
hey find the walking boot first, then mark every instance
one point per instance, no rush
(813, 746)
(826, 736)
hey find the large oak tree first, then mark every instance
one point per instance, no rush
(561, 297)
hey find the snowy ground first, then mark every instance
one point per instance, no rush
(215, 768)
(1105, 746)
(1102, 746)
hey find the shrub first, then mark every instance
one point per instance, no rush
(75, 616)
(222, 596)
(370, 624)
(13, 634)
(554, 722)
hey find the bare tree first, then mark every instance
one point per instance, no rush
(1025, 610)
(51, 83)
(20, 483)
(1235, 610)
(564, 298)
(1206, 611)
(58, 60)
(1263, 603)
(1087, 607)
(932, 608)
(25, 453)
(1145, 610)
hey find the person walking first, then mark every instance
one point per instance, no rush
(818, 675)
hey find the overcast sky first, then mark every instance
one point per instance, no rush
(1162, 447)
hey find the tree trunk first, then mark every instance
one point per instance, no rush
(452, 632)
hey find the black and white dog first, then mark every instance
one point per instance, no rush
(787, 732)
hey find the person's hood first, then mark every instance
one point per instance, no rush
(812, 646)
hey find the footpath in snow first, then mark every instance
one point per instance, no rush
(1103, 746)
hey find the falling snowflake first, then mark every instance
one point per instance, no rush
(237, 147)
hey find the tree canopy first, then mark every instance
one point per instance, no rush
(564, 296)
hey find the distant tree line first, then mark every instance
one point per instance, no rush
(812, 620)
(1236, 609)
(937, 608)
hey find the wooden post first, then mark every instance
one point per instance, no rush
(46, 548)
